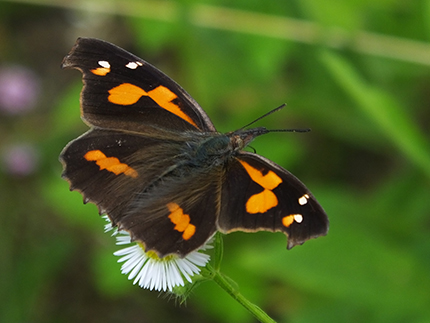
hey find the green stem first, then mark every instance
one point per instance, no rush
(227, 285)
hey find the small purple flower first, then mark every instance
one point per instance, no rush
(20, 159)
(19, 89)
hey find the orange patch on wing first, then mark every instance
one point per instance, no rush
(287, 220)
(261, 202)
(181, 221)
(111, 164)
(101, 71)
(164, 97)
(269, 181)
(265, 200)
(127, 94)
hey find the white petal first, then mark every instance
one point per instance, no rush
(120, 240)
(132, 263)
(136, 268)
(154, 273)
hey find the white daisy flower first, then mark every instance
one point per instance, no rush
(154, 273)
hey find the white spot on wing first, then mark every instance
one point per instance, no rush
(104, 64)
(304, 199)
(133, 65)
(298, 218)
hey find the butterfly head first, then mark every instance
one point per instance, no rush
(241, 138)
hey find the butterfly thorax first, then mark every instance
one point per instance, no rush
(209, 152)
(216, 150)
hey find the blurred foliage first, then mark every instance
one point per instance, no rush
(367, 160)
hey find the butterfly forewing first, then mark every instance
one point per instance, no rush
(124, 92)
(271, 199)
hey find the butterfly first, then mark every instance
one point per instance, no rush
(155, 164)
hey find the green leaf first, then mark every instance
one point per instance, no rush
(392, 118)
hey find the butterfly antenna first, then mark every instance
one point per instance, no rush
(291, 130)
(277, 130)
(265, 115)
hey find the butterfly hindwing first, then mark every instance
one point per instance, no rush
(123, 92)
(259, 195)
(109, 167)
(177, 217)
(144, 189)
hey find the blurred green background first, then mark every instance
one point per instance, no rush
(356, 72)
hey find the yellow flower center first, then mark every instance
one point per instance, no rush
(153, 255)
